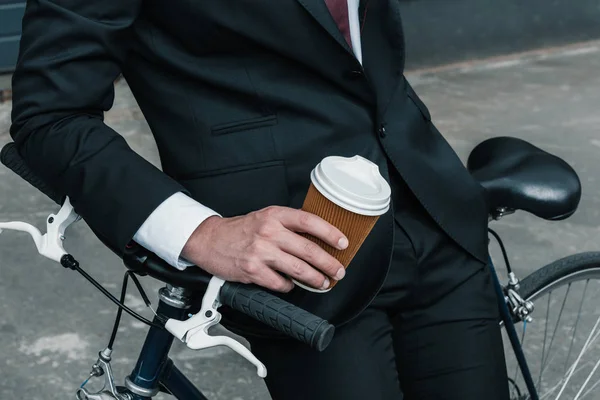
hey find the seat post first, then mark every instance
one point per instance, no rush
(501, 212)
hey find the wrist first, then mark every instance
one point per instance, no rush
(195, 245)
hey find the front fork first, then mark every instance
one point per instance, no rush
(109, 391)
(143, 383)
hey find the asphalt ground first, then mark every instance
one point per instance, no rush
(53, 323)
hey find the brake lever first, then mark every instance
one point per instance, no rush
(50, 244)
(194, 331)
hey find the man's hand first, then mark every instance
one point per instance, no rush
(253, 247)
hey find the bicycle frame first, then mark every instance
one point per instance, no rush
(154, 371)
(507, 319)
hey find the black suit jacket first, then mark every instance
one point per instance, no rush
(244, 98)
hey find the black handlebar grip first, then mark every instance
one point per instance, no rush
(10, 157)
(278, 314)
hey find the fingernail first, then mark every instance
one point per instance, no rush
(340, 274)
(325, 284)
(342, 243)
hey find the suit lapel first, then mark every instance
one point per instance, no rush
(319, 11)
(383, 49)
(382, 43)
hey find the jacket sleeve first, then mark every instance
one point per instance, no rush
(63, 83)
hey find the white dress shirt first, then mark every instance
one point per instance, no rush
(168, 228)
(353, 6)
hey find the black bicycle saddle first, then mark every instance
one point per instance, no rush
(519, 176)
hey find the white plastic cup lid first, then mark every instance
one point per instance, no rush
(353, 183)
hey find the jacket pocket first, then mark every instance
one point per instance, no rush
(244, 125)
(418, 102)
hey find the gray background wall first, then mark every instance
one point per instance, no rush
(444, 31)
(11, 12)
(438, 31)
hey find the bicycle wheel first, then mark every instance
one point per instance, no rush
(562, 341)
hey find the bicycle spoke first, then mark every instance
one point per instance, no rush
(562, 307)
(545, 336)
(585, 346)
(590, 389)
(517, 368)
(576, 324)
(587, 380)
(555, 387)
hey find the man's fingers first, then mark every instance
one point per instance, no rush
(311, 253)
(299, 270)
(302, 221)
(270, 279)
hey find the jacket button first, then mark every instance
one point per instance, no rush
(382, 132)
(354, 74)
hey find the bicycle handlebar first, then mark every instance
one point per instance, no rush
(278, 314)
(10, 157)
(250, 300)
(247, 299)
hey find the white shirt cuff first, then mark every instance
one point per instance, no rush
(166, 231)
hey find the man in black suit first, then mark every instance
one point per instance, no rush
(244, 98)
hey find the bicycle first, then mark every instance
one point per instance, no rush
(516, 176)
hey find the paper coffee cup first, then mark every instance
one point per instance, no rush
(350, 194)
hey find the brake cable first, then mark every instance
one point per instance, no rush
(503, 249)
(68, 261)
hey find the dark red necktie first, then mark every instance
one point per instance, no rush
(339, 12)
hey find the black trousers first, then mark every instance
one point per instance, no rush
(431, 333)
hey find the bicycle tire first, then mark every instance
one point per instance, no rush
(570, 268)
